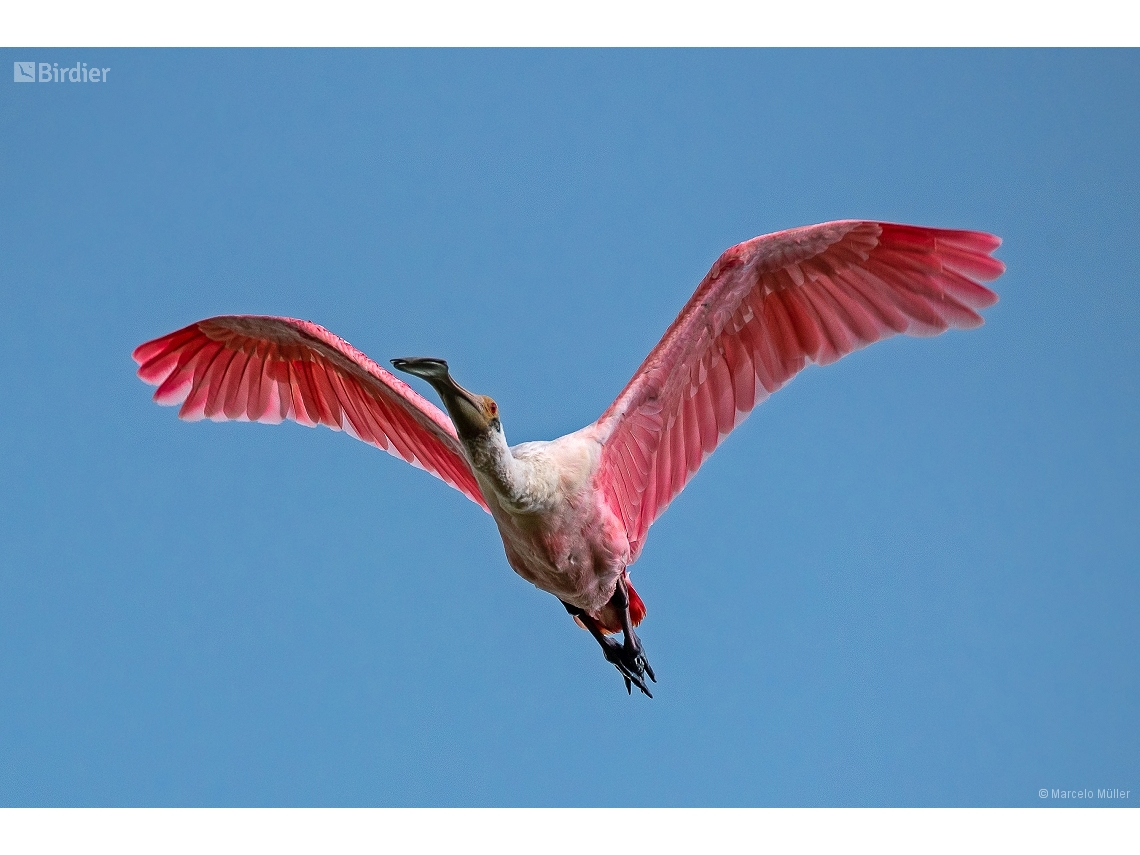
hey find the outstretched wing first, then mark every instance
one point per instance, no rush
(263, 369)
(768, 307)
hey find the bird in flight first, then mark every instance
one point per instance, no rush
(574, 512)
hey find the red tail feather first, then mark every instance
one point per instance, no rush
(609, 620)
(636, 607)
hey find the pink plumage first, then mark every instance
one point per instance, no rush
(264, 369)
(574, 512)
(768, 307)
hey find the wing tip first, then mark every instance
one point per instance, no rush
(990, 296)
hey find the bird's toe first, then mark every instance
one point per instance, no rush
(632, 666)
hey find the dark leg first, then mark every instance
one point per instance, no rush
(634, 653)
(628, 658)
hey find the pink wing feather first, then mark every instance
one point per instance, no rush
(263, 369)
(768, 307)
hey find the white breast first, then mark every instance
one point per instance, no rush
(551, 473)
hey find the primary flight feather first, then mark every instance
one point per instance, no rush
(574, 512)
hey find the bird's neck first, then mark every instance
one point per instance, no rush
(491, 458)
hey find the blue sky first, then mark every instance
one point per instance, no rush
(909, 578)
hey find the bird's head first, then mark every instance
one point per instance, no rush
(474, 416)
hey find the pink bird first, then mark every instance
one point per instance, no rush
(574, 512)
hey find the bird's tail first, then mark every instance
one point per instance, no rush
(636, 606)
(610, 621)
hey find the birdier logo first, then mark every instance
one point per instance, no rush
(50, 72)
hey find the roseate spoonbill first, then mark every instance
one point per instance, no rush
(574, 513)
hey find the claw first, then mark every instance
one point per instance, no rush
(634, 676)
(629, 669)
(634, 663)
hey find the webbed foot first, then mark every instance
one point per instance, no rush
(630, 661)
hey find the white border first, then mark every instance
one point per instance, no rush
(570, 831)
(568, 23)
